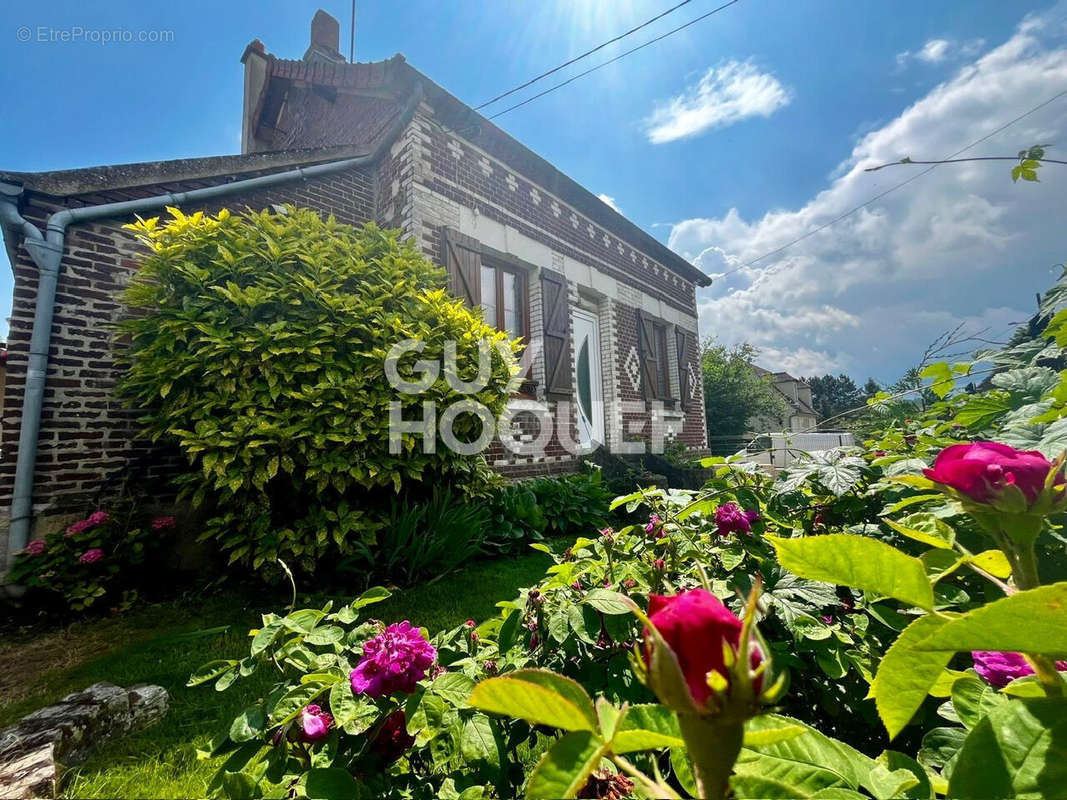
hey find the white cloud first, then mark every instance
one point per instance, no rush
(727, 93)
(936, 51)
(609, 200)
(963, 243)
(933, 51)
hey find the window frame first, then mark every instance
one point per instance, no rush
(521, 276)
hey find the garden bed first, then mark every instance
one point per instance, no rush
(164, 643)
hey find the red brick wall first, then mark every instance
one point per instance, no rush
(88, 442)
(479, 183)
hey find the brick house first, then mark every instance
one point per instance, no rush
(609, 313)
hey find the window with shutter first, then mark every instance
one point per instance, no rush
(682, 340)
(649, 352)
(655, 364)
(556, 333)
(463, 261)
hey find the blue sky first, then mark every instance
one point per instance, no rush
(724, 140)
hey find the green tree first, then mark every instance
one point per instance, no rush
(832, 395)
(734, 393)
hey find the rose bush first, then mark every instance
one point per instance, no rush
(891, 597)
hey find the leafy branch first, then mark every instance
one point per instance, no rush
(1030, 160)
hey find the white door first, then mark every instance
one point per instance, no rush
(589, 392)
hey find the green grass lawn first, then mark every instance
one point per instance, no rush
(162, 644)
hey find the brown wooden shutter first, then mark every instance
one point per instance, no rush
(682, 339)
(646, 341)
(462, 257)
(557, 320)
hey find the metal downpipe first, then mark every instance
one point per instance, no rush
(47, 252)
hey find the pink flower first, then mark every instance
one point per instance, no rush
(315, 723)
(34, 548)
(653, 523)
(393, 661)
(78, 527)
(91, 556)
(1000, 669)
(696, 625)
(729, 518)
(164, 524)
(98, 518)
(983, 470)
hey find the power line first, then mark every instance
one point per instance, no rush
(613, 60)
(891, 189)
(577, 58)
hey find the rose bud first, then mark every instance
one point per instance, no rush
(1004, 489)
(659, 565)
(700, 660)
(699, 630)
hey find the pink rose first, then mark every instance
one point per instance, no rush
(393, 661)
(1000, 669)
(98, 518)
(982, 470)
(35, 548)
(695, 625)
(315, 723)
(91, 556)
(729, 518)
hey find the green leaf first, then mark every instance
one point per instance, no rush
(326, 635)
(922, 789)
(809, 762)
(772, 735)
(455, 687)
(886, 784)
(1033, 621)
(538, 696)
(981, 409)
(974, 699)
(509, 631)
(290, 703)
(265, 636)
(476, 742)
(858, 562)
(248, 725)
(608, 602)
(373, 595)
(1019, 750)
(751, 786)
(925, 528)
(330, 783)
(647, 727)
(565, 768)
(941, 375)
(905, 675)
(992, 561)
(210, 671)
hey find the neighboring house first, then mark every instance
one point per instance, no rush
(610, 311)
(799, 416)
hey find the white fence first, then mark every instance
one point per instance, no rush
(782, 449)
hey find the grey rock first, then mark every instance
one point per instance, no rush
(67, 732)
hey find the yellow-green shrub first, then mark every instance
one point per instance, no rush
(258, 346)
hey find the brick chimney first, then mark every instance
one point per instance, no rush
(325, 39)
